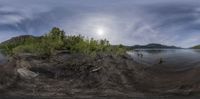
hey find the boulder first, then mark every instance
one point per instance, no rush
(26, 74)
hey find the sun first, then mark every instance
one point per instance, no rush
(100, 31)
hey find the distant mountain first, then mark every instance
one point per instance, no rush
(153, 45)
(196, 47)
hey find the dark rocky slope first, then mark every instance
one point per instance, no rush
(80, 75)
(70, 74)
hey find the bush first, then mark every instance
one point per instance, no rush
(56, 40)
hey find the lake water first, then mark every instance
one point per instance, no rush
(167, 57)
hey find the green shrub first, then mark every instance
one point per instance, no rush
(56, 40)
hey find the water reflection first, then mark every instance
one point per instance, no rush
(167, 57)
(196, 50)
(155, 51)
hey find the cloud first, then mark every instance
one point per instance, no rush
(128, 22)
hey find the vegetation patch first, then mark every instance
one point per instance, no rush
(47, 44)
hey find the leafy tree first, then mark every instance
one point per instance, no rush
(56, 33)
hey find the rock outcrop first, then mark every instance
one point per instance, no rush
(68, 74)
(27, 74)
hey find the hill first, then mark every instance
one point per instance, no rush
(153, 45)
(196, 47)
(20, 38)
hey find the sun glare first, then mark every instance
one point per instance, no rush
(100, 32)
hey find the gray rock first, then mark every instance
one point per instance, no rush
(27, 74)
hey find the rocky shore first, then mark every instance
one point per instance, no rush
(69, 75)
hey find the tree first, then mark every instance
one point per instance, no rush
(56, 33)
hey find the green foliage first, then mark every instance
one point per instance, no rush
(8, 47)
(56, 40)
(56, 34)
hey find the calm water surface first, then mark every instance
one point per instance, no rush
(167, 57)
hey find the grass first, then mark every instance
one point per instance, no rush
(47, 44)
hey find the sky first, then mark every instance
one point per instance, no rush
(128, 22)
